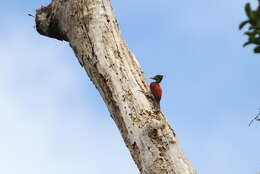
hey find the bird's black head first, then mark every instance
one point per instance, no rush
(157, 78)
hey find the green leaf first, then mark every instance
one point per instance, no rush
(257, 49)
(253, 32)
(250, 14)
(248, 10)
(258, 21)
(250, 34)
(243, 24)
(247, 43)
(255, 41)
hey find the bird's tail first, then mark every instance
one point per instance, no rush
(158, 106)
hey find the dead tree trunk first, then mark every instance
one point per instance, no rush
(93, 33)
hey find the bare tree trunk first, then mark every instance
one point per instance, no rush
(93, 33)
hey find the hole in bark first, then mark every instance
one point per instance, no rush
(134, 145)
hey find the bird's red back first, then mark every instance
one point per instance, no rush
(156, 91)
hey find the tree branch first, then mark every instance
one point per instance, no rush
(255, 118)
(92, 31)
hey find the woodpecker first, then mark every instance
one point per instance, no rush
(156, 89)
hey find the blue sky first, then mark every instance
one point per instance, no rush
(52, 119)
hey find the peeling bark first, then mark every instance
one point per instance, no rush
(93, 33)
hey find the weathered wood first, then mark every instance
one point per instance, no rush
(93, 33)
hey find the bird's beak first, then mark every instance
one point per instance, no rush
(152, 78)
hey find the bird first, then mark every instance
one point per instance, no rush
(156, 89)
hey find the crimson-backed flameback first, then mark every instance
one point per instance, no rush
(156, 89)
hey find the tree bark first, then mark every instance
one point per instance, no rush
(93, 33)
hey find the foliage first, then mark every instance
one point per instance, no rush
(253, 32)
